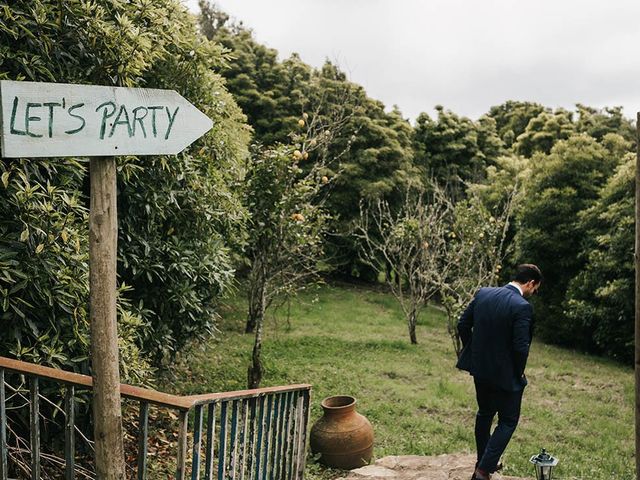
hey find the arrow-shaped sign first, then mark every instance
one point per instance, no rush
(64, 120)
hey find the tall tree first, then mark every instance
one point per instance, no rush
(285, 236)
(454, 149)
(544, 131)
(550, 234)
(512, 118)
(599, 300)
(599, 122)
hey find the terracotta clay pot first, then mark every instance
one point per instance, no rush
(342, 437)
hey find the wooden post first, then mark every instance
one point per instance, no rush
(103, 235)
(637, 327)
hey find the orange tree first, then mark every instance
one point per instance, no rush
(285, 235)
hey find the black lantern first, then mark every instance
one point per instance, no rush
(544, 464)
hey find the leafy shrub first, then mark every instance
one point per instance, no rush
(178, 215)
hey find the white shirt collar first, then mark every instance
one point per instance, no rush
(517, 286)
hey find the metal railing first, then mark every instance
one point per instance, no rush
(246, 435)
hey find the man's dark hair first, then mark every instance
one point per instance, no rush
(527, 272)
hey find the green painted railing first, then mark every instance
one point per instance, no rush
(256, 434)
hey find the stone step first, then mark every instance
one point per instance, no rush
(454, 466)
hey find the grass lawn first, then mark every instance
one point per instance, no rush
(347, 340)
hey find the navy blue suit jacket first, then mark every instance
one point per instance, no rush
(496, 330)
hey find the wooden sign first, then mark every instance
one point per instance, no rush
(64, 120)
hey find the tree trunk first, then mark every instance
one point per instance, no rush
(103, 234)
(413, 316)
(255, 370)
(252, 316)
(255, 296)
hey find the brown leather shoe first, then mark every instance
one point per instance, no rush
(499, 467)
(480, 475)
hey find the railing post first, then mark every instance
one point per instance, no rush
(275, 425)
(293, 433)
(252, 437)
(222, 463)
(69, 433)
(182, 445)
(242, 423)
(35, 428)
(4, 465)
(197, 439)
(211, 435)
(267, 436)
(233, 441)
(291, 421)
(302, 449)
(261, 427)
(285, 436)
(143, 426)
(277, 458)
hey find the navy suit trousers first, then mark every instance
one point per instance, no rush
(492, 400)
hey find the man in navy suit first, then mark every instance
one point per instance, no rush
(496, 330)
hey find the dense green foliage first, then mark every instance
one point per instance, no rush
(454, 149)
(599, 298)
(561, 185)
(173, 244)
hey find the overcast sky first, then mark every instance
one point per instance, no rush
(464, 54)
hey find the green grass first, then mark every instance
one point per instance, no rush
(346, 340)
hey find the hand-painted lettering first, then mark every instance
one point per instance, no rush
(13, 130)
(171, 120)
(139, 119)
(75, 115)
(51, 106)
(153, 119)
(105, 115)
(28, 118)
(124, 121)
(60, 117)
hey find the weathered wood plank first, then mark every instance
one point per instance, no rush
(141, 394)
(61, 120)
(181, 461)
(103, 235)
